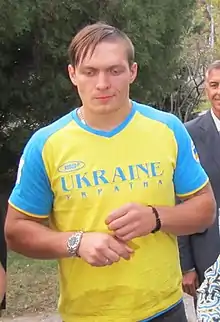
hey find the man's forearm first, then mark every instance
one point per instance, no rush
(192, 216)
(32, 239)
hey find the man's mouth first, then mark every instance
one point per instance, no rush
(104, 97)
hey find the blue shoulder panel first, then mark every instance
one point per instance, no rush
(189, 176)
(32, 193)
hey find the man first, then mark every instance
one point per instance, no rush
(199, 251)
(95, 173)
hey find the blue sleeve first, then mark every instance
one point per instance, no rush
(189, 176)
(32, 193)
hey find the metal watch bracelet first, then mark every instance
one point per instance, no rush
(73, 243)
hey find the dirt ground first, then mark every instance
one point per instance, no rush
(55, 318)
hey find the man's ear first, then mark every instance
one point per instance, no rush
(72, 74)
(134, 69)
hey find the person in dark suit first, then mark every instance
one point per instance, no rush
(199, 251)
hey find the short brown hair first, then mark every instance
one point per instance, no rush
(212, 66)
(90, 36)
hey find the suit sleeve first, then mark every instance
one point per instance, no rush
(185, 250)
(189, 176)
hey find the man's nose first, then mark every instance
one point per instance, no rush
(102, 82)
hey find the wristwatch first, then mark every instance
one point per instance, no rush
(73, 243)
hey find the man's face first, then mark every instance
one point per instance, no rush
(103, 79)
(212, 86)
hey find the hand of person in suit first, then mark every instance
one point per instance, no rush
(190, 282)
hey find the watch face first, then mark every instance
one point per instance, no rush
(73, 241)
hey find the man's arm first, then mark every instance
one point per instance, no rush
(29, 236)
(190, 280)
(198, 209)
(194, 215)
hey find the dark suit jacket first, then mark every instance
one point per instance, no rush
(201, 250)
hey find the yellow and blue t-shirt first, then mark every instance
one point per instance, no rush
(77, 175)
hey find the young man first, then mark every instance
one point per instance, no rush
(199, 251)
(106, 174)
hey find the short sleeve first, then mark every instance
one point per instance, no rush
(189, 176)
(32, 193)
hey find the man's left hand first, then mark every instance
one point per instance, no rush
(131, 221)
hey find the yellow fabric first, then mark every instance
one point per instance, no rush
(151, 281)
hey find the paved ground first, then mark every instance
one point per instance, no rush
(55, 318)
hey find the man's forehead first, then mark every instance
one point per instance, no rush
(106, 53)
(213, 75)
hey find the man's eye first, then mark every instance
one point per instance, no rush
(115, 71)
(89, 72)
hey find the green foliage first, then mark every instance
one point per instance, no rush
(34, 36)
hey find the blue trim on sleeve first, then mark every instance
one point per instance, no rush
(189, 175)
(107, 134)
(32, 192)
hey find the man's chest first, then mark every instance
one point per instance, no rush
(126, 173)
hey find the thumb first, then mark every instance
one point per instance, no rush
(129, 247)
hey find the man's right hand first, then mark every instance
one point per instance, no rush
(190, 283)
(101, 249)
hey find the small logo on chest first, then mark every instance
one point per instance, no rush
(71, 166)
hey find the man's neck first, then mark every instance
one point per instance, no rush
(106, 121)
(216, 113)
(216, 120)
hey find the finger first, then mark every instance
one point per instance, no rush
(190, 289)
(186, 289)
(128, 248)
(128, 237)
(120, 249)
(98, 260)
(119, 223)
(118, 213)
(193, 289)
(111, 256)
(126, 230)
